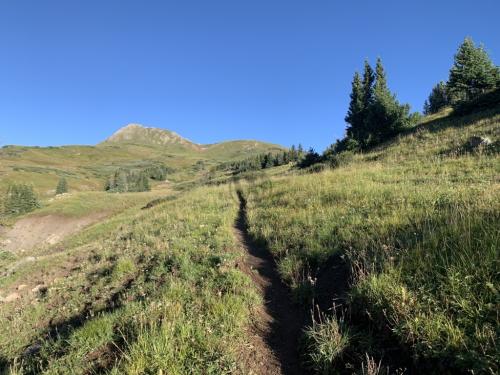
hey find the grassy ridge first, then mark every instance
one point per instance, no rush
(417, 221)
(86, 167)
(157, 290)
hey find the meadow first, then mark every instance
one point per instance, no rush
(416, 223)
(158, 290)
(392, 253)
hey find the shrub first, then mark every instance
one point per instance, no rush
(62, 186)
(340, 159)
(19, 199)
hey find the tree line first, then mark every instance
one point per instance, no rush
(135, 180)
(264, 161)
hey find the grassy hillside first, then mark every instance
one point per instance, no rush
(156, 289)
(86, 167)
(398, 247)
(416, 222)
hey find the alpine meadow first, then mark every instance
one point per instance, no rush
(150, 253)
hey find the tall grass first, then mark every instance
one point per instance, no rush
(159, 292)
(419, 226)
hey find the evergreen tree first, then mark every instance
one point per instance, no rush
(363, 134)
(19, 199)
(473, 73)
(368, 81)
(143, 182)
(62, 186)
(356, 110)
(386, 116)
(310, 158)
(300, 152)
(437, 100)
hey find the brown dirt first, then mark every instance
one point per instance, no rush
(278, 325)
(38, 231)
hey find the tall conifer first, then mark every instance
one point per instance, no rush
(355, 113)
(472, 73)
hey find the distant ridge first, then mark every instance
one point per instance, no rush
(139, 134)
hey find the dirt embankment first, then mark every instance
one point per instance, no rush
(37, 231)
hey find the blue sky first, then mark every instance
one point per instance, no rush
(73, 72)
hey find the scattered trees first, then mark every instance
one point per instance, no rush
(264, 161)
(19, 199)
(123, 181)
(62, 186)
(374, 113)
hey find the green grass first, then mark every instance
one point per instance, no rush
(80, 204)
(417, 221)
(160, 290)
(87, 167)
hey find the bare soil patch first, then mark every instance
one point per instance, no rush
(38, 231)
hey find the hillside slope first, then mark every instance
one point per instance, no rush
(415, 225)
(398, 247)
(134, 146)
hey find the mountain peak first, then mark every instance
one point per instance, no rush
(140, 134)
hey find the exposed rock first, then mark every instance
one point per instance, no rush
(40, 289)
(32, 350)
(22, 286)
(476, 142)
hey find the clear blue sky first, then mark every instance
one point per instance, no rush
(73, 72)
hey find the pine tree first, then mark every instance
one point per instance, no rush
(300, 152)
(437, 100)
(310, 158)
(364, 135)
(62, 186)
(355, 113)
(386, 116)
(19, 199)
(473, 73)
(368, 81)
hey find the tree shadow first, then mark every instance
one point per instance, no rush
(34, 359)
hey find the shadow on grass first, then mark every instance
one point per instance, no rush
(36, 360)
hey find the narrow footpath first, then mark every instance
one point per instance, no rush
(278, 327)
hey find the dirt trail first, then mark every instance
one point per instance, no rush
(279, 326)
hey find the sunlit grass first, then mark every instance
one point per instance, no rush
(158, 291)
(418, 224)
